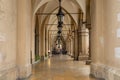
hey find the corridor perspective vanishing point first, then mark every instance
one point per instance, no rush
(59, 39)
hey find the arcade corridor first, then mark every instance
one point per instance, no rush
(86, 30)
(60, 67)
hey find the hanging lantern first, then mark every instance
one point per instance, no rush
(60, 14)
(59, 32)
(58, 36)
(59, 26)
(58, 39)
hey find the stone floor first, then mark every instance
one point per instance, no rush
(60, 67)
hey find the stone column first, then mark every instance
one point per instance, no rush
(40, 43)
(23, 38)
(72, 46)
(88, 26)
(68, 46)
(76, 45)
(36, 37)
(89, 57)
(105, 39)
(46, 42)
(42, 37)
(97, 37)
(80, 43)
(49, 41)
(82, 39)
(33, 39)
(47, 45)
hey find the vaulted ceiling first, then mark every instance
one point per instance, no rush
(51, 6)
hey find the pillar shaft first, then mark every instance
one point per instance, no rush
(76, 45)
(105, 43)
(23, 38)
(42, 48)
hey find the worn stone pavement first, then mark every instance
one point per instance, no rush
(60, 67)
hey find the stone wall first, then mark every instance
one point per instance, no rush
(8, 25)
(9, 74)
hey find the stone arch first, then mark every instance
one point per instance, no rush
(66, 12)
(39, 3)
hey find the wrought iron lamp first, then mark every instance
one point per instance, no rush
(59, 40)
(60, 14)
(59, 27)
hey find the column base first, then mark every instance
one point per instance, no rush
(24, 71)
(76, 59)
(83, 57)
(42, 58)
(33, 61)
(104, 72)
(88, 62)
(72, 56)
